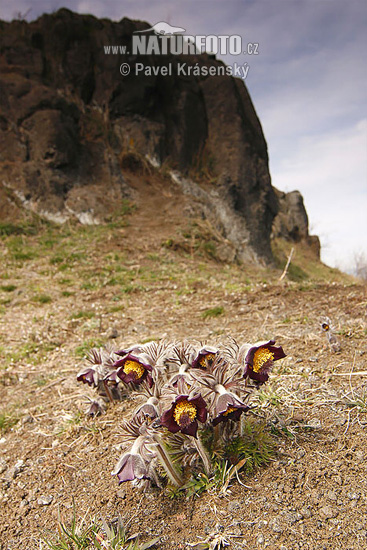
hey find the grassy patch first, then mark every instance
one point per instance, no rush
(83, 315)
(67, 293)
(7, 421)
(305, 265)
(8, 288)
(212, 312)
(93, 534)
(253, 448)
(83, 349)
(42, 299)
(8, 228)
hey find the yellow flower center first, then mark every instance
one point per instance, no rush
(183, 412)
(229, 411)
(261, 357)
(134, 366)
(206, 359)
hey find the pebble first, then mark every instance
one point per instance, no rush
(15, 470)
(260, 539)
(305, 513)
(275, 526)
(234, 505)
(340, 421)
(45, 500)
(353, 496)
(314, 423)
(293, 517)
(327, 512)
(3, 465)
(262, 523)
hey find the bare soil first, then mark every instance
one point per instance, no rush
(313, 495)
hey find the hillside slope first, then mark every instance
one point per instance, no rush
(71, 125)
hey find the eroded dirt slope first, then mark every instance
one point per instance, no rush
(64, 291)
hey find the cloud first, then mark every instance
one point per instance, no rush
(331, 172)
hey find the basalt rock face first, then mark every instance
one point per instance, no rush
(291, 222)
(68, 117)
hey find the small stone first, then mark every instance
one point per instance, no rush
(275, 526)
(262, 523)
(28, 419)
(331, 495)
(234, 505)
(314, 359)
(121, 493)
(3, 465)
(45, 500)
(353, 496)
(260, 539)
(292, 517)
(305, 513)
(340, 421)
(314, 423)
(327, 512)
(14, 471)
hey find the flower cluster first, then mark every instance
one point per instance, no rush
(185, 391)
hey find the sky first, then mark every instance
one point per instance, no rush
(308, 84)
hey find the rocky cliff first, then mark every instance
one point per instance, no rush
(69, 121)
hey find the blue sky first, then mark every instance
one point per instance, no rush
(308, 85)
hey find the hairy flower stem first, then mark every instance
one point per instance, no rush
(108, 391)
(166, 462)
(203, 454)
(216, 437)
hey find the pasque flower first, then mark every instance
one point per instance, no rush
(100, 363)
(132, 464)
(259, 360)
(134, 368)
(184, 414)
(205, 357)
(227, 406)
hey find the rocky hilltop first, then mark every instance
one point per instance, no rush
(71, 126)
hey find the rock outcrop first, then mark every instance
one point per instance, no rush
(291, 222)
(68, 117)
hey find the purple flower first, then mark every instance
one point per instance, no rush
(259, 360)
(89, 375)
(96, 408)
(227, 407)
(131, 466)
(149, 409)
(101, 362)
(184, 414)
(134, 368)
(205, 358)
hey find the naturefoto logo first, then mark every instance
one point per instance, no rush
(163, 38)
(162, 28)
